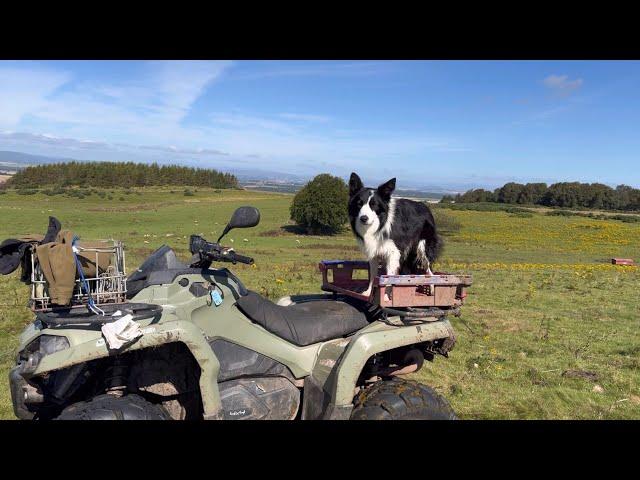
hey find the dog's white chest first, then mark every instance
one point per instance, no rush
(373, 246)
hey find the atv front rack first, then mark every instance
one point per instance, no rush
(106, 287)
(437, 291)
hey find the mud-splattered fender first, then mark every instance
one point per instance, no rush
(154, 335)
(379, 337)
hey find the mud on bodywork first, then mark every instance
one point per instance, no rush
(167, 375)
(329, 391)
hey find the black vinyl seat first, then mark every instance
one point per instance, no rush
(304, 323)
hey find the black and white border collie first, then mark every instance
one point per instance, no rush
(400, 232)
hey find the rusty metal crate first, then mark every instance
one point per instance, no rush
(442, 290)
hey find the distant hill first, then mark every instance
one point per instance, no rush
(418, 194)
(19, 159)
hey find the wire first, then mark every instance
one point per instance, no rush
(91, 305)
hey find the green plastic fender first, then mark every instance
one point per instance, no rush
(375, 338)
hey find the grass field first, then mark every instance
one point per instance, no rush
(545, 307)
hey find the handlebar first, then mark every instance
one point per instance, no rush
(214, 252)
(242, 258)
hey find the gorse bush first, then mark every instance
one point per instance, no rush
(321, 205)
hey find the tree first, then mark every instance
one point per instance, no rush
(321, 205)
(119, 174)
(510, 192)
(477, 195)
(532, 193)
(564, 194)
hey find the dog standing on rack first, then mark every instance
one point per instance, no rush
(400, 232)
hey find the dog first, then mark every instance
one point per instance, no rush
(400, 232)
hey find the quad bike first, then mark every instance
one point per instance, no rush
(211, 349)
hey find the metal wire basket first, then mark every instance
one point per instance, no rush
(108, 287)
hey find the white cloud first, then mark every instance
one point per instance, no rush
(182, 151)
(50, 140)
(561, 84)
(25, 89)
(149, 106)
(144, 117)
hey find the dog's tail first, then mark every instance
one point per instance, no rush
(434, 247)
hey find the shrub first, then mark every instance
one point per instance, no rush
(446, 223)
(482, 207)
(562, 213)
(626, 218)
(321, 205)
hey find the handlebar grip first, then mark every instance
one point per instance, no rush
(243, 259)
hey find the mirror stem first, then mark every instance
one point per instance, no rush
(224, 232)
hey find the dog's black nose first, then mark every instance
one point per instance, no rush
(364, 219)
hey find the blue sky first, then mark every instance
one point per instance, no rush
(429, 123)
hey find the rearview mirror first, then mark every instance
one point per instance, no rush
(243, 217)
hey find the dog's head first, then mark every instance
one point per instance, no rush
(369, 207)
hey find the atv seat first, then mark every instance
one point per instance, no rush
(303, 323)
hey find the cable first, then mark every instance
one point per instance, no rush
(91, 305)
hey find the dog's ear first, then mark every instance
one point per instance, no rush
(386, 189)
(355, 184)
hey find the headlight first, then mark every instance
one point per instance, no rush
(44, 345)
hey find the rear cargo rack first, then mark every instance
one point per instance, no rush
(440, 290)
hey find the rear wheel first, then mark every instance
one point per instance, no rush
(399, 399)
(110, 407)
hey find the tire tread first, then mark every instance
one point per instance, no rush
(110, 407)
(399, 399)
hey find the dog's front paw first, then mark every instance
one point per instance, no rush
(367, 292)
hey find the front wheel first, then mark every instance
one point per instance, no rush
(110, 407)
(399, 399)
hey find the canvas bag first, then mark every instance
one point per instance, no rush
(59, 266)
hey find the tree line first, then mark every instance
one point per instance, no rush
(116, 174)
(563, 194)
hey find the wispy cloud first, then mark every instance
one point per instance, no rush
(147, 116)
(245, 122)
(50, 140)
(321, 69)
(562, 85)
(151, 105)
(24, 89)
(305, 117)
(172, 149)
